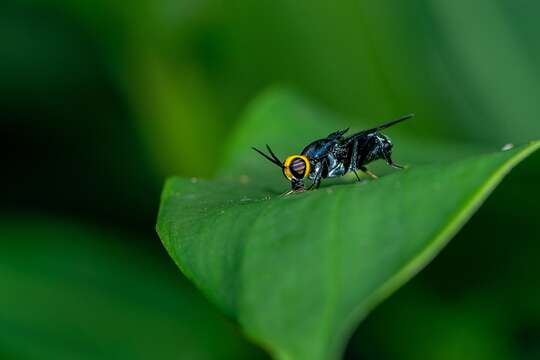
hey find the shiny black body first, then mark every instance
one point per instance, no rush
(336, 155)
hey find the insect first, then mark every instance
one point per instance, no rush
(336, 155)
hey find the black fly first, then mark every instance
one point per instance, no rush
(336, 155)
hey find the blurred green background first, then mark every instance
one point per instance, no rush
(101, 100)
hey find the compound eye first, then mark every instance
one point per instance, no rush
(296, 167)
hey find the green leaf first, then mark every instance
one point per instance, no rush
(299, 273)
(71, 292)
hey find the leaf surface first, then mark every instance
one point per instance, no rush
(299, 273)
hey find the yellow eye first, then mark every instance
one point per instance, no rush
(296, 167)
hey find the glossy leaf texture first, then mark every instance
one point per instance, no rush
(299, 273)
(73, 292)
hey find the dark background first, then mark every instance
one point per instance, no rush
(101, 100)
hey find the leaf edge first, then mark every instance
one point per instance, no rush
(436, 245)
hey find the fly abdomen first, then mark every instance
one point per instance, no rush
(356, 153)
(353, 153)
(377, 146)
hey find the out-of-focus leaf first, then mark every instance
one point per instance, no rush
(494, 64)
(69, 292)
(416, 324)
(299, 273)
(179, 122)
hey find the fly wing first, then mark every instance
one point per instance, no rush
(379, 128)
(393, 122)
(337, 134)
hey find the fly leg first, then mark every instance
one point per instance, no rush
(319, 174)
(394, 165)
(366, 170)
(287, 193)
(388, 157)
(317, 181)
(290, 192)
(391, 162)
(296, 187)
